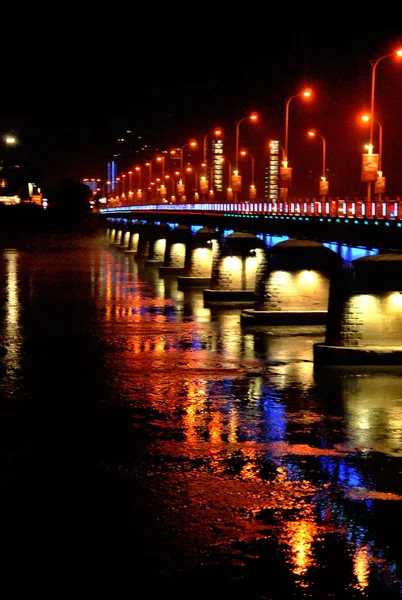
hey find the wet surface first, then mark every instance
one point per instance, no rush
(150, 445)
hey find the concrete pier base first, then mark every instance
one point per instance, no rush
(229, 298)
(166, 271)
(283, 317)
(357, 355)
(189, 282)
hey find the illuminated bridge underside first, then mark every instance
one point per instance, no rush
(372, 225)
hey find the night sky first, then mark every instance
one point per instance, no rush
(72, 86)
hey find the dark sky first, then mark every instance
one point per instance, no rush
(72, 85)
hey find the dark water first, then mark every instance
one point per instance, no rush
(150, 446)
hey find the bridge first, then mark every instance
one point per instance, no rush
(375, 224)
(284, 265)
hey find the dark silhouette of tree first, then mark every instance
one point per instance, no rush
(69, 203)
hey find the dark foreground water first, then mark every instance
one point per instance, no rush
(151, 447)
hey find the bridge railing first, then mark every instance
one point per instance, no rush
(375, 209)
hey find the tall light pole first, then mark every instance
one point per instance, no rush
(374, 64)
(192, 143)
(366, 118)
(162, 160)
(252, 117)
(252, 186)
(247, 153)
(307, 93)
(216, 132)
(130, 184)
(149, 165)
(323, 187)
(229, 188)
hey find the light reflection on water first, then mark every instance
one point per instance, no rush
(250, 456)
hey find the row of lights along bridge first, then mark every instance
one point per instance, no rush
(171, 186)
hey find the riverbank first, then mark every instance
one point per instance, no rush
(30, 227)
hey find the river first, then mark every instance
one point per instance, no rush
(151, 446)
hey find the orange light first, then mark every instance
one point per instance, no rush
(189, 169)
(173, 152)
(130, 172)
(193, 143)
(399, 52)
(308, 92)
(138, 168)
(253, 116)
(159, 158)
(147, 164)
(312, 133)
(217, 132)
(366, 118)
(243, 152)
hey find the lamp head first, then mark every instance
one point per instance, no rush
(312, 133)
(307, 93)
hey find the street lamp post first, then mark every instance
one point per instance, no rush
(229, 188)
(192, 143)
(252, 117)
(323, 191)
(149, 165)
(374, 64)
(216, 132)
(366, 118)
(307, 93)
(252, 186)
(139, 171)
(162, 160)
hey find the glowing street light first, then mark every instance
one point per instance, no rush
(379, 185)
(161, 159)
(217, 132)
(229, 191)
(10, 140)
(307, 93)
(366, 118)
(191, 143)
(251, 117)
(253, 191)
(374, 64)
(323, 183)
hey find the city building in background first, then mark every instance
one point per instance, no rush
(111, 176)
(93, 184)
